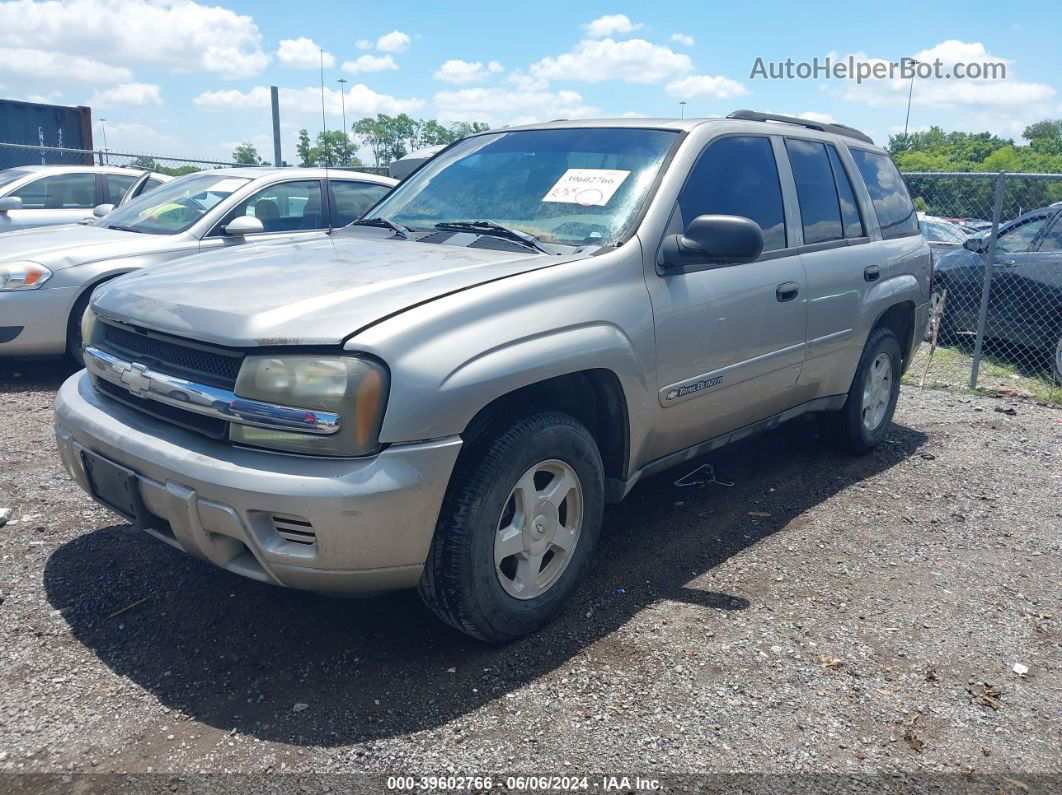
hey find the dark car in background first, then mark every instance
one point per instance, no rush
(1025, 302)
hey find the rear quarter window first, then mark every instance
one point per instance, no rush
(888, 193)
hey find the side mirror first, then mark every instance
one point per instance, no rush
(713, 241)
(976, 243)
(10, 203)
(101, 210)
(244, 225)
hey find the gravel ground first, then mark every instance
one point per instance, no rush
(823, 614)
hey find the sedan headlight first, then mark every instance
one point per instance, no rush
(23, 275)
(354, 388)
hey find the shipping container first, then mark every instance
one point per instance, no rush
(43, 126)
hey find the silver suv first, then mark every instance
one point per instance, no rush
(446, 394)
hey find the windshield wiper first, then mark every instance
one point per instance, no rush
(127, 229)
(398, 229)
(496, 230)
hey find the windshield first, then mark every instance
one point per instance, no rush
(11, 175)
(175, 206)
(941, 232)
(571, 187)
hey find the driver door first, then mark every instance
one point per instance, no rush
(730, 340)
(292, 209)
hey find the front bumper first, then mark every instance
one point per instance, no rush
(41, 315)
(371, 520)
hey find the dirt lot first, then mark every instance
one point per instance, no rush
(823, 614)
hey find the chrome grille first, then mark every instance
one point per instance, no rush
(202, 363)
(215, 428)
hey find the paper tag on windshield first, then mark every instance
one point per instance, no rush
(590, 187)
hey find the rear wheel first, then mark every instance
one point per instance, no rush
(863, 422)
(518, 526)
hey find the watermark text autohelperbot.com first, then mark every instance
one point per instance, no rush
(853, 68)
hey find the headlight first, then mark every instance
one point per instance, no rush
(88, 326)
(23, 275)
(356, 389)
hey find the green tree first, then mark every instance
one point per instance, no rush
(1045, 137)
(373, 134)
(304, 149)
(246, 155)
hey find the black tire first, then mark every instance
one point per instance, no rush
(460, 582)
(73, 328)
(1056, 358)
(846, 427)
(945, 332)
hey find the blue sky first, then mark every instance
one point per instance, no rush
(192, 79)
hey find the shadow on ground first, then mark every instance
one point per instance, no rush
(19, 374)
(236, 654)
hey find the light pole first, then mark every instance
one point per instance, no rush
(682, 105)
(910, 93)
(103, 128)
(343, 100)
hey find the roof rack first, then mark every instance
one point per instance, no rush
(837, 129)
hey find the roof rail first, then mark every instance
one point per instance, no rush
(837, 129)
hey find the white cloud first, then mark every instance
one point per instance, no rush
(633, 61)
(303, 53)
(461, 72)
(181, 34)
(128, 94)
(610, 25)
(1001, 95)
(44, 99)
(363, 44)
(683, 38)
(811, 115)
(41, 64)
(134, 137)
(369, 63)
(360, 99)
(695, 86)
(499, 106)
(395, 41)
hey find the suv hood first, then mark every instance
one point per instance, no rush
(315, 292)
(58, 247)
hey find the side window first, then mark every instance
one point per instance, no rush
(1052, 241)
(737, 176)
(352, 199)
(115, 186)
(151, 183)
(820, 211)
(892, 202)
(1020, 238)
(59, 192)
(853, 222)
(284, 207)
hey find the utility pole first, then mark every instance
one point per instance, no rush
(274, 100)
(103, 128)
(910, 93)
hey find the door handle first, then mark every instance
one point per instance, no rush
(871, 273)
(787, 291)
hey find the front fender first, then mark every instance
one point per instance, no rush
(499, 370)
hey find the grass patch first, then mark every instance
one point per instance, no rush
(997, 375)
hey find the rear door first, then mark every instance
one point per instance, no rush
(292, 209)
(840, 260)
(350, 199)
(730, 340)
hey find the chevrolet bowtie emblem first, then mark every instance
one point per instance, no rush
(136, 379)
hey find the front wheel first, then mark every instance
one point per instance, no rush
(1056, 363)
(519, 523)
(863, 422)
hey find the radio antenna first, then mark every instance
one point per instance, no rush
(325, 205)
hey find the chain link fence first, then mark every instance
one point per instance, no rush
(997, 247)
(13, 154)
